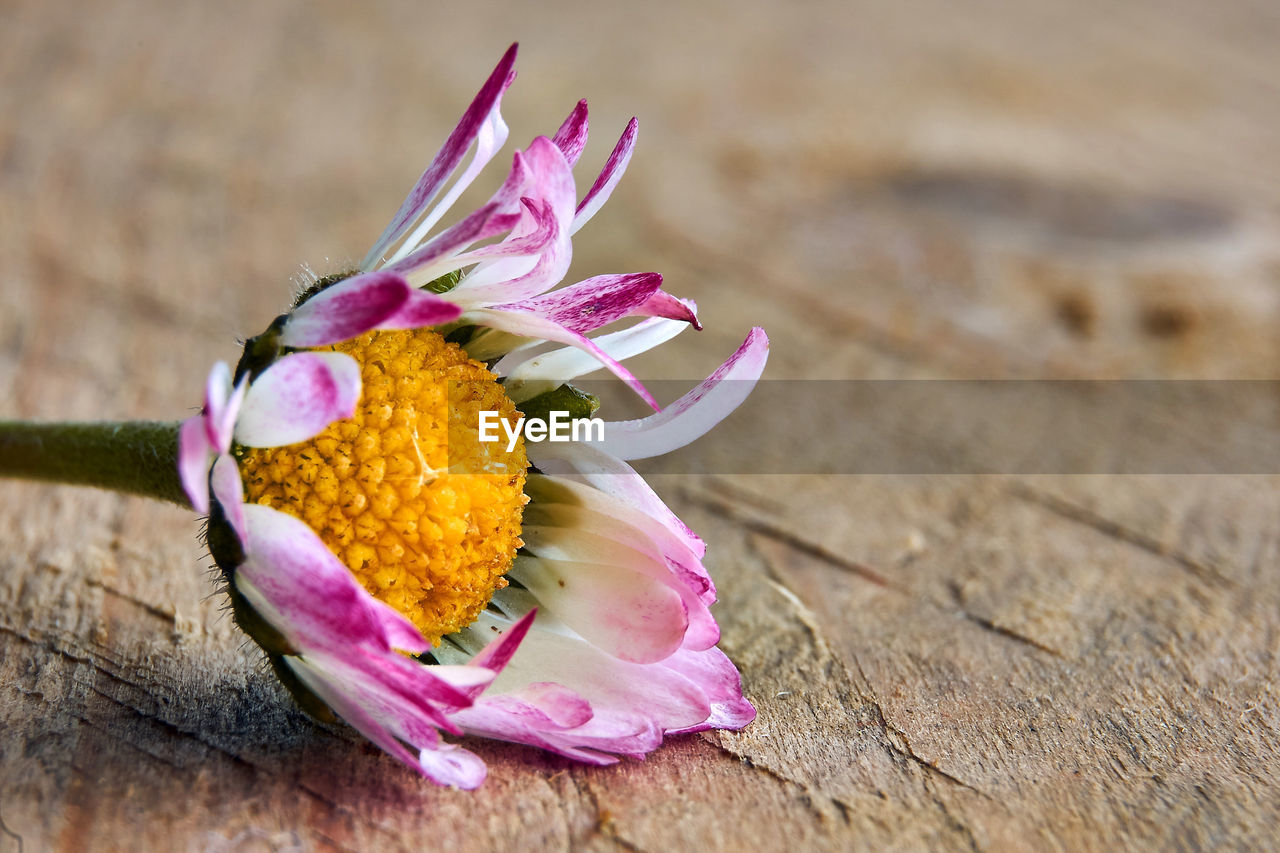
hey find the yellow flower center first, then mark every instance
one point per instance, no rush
(423, 514)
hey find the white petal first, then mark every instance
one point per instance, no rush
(530, 377)
(297, 397)
(627, 614)
(694, 414)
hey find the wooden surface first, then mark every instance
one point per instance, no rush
(893, 190)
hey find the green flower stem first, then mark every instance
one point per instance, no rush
(137, 457)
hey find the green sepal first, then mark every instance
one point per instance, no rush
(259, 630)
(566, 398)
(322, 283)
(261, 351)
(227, 552)
(444, 283)
(462, 335)
(222, 541)
(311, 704)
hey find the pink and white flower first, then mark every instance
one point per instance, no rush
(607, 644)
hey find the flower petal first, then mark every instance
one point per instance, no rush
(390, 725)
(297, 397)
(217, 395)
(498, 653)
(194, 453)
(718, 677)
(549, 183)
(627, 614)
(450, 764)
(567, 503)
(609, 729)
(346, 310)
(663, 304)
(694, 414)
(529, 325)
(588, 465)
(228, 491)
(346, 707)
(605, 681)
(439, 255)
(449, 156)
(420, 310)
(492, 136)
(376, 300)
(306, 593)
(571, 138)
(593, 303)
(400, 692)
(555, 703)
(527, 375)
(612, 172)
(603, 545)
(534, 233)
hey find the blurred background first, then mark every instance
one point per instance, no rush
(894, 190)
(1032, 189)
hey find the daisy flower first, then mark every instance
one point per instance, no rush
(410, 577)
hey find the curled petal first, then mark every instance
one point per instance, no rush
(529, 325)
(663, 304)
(630, 616)
(538, 230)
(497, 654)
(608, 179)
(549, 184)
(528, 376)
(219, 414)
(668, 699)
(297, 397)
(553, 704)
(571, 138)
(557, 538)
(449, 764)
(719, 679)
(651, 525)
(390, 724)
(228, 491)
(696, 412)
(582, 463)
(194, 454)
(308, 595)
(502, 212)
(346, 706)
(492, 136)
(440, 254)
(376, 300)
(400, 691)
(609, 730)
(449, 156)
(593, 303)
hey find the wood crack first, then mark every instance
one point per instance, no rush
(905, 750)
(4, 828)
(1116, 530)
(989, 625)
(137, 602)
(728, 510)
(1009, 633)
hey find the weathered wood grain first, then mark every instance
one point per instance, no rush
(894, 191)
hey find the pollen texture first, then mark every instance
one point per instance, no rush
(423, 514)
